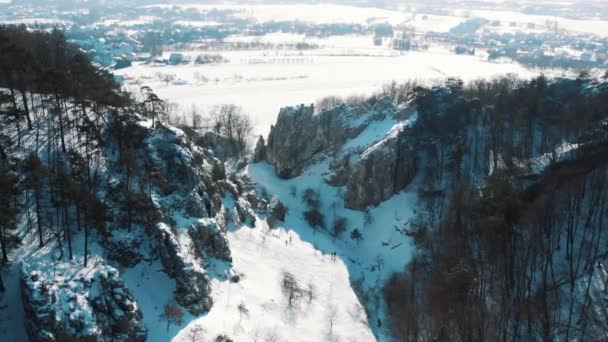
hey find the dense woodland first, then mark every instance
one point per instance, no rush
(66, 129)
(57, 113)
(515, 200)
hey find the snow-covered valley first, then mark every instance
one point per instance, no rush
(272, 186)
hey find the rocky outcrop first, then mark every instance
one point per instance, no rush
(381, 171)
(372, 170)
(340, 168)
(209, 241)
(299, 133)
(259, 153)
(276, 211)
(244, 212)
(192, 283)
(91, 304)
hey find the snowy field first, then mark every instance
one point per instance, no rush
(325, 13)
(319, 14)
(262, 82)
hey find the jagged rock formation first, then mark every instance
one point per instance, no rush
(208, 240)
(192, 283)
(381, 171)
(259, 153)
(300, 133)
(91, 304)
(276, 211)
(371, 176)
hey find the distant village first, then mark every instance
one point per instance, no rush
(114, 40)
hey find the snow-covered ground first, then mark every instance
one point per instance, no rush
(384, 248)
(262, 256)
(262, 82)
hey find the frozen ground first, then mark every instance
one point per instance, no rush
(262, 256)
(383, 250)
(262, 82)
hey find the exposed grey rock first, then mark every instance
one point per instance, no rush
(341, 170)
(259, 153)
(245, 213)
(382, 170)
(192, 285)
(277, 209)
(209, 241)
(219, 170)
(299, 133)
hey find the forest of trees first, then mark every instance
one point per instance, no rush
(57, 113)
(504, 252)
(61, 118)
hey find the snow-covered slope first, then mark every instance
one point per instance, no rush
(383, 247)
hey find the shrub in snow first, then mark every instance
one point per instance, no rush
(339, 226)
(313, 215)
(291, 289)
(356, 235)
(172, 314)
(315, 218)
(223, 338)
(293, 191)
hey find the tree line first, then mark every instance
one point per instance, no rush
(60, 119)
(507, 250)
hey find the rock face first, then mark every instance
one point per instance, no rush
(91, 304)
(276, 211)
(209, 241)
(372, 172)
(192, 283)
(259, 153)
(300, 133)
(382, 170)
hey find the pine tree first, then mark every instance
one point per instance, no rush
(35, 173)
(8, 208)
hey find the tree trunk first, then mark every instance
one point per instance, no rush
(68, 231)
(2, 153)
(38, 218)
(86, 243)
(26, 109)
(3, 245)
(61, 130)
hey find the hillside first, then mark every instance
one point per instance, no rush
(452, 212)
(477, 209)
(119, 227)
